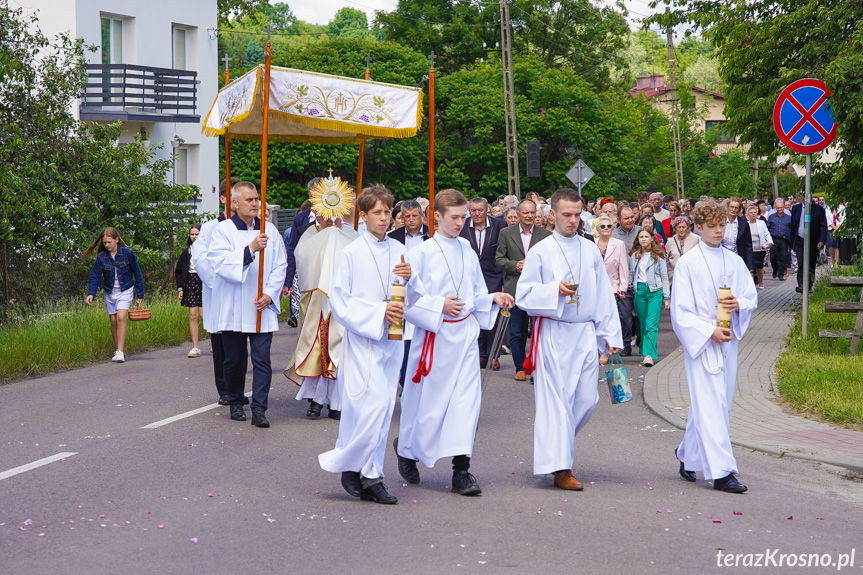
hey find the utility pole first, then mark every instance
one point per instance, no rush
(513, 186)
(675, 114)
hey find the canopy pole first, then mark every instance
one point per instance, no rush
(263, 210)
(362, 159)
(227, 175)
(431, 144)
(227, 151)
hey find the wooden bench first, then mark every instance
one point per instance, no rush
(285, 219)
(846, 307)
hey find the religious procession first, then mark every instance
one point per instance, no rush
(353, 253)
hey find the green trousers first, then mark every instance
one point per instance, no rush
(648, 306)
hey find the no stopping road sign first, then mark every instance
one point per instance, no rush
(802, 117)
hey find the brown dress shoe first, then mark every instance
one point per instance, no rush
(519, 376)
(566, 480)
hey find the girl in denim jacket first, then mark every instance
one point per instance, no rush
(116, 271)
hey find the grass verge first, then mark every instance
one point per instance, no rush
(817, 376)
(69, 334)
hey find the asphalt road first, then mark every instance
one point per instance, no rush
(203, 494)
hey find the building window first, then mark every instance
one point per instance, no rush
(179, 35)
(112, 40)
(725, 135)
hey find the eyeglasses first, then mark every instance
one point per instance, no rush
(605, 227)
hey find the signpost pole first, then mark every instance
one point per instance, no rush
(807, 241)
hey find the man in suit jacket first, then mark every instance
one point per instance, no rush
(482, 232)
(817, 232)
(738, 226)
(513, 244)
(413, 233)
(414, 229)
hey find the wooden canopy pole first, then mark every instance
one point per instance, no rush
(362, 159)
(431, 144)
(226, 59)
(263, 210)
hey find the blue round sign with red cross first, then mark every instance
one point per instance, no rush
(802, 117)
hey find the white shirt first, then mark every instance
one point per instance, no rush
(480, 234)
(413, 240)
(642, 268)
(729, 242)
(800, 230)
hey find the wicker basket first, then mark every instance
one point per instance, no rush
(139, 314)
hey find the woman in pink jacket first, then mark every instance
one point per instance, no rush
(616, 261)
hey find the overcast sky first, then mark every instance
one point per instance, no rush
(322, 11)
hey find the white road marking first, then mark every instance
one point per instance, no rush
(168, 420)
(44, 461)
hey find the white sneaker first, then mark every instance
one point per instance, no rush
(194, 352)
(119, 357)
(648, 361)
(504, 350)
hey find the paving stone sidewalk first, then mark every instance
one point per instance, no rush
(758, 421)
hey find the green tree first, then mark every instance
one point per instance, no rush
(349, 21)
(231, 9)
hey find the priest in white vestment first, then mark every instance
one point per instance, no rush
(572, 327)
(316, 357)
(234, 253)
(710, 350)
(442, 392)
(368, 373)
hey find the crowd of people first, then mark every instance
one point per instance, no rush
(566, 270)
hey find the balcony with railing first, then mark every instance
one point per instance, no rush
(129, 92)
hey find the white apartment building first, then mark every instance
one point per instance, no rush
(155, 68)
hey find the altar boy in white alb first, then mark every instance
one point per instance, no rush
(234, 253)
(710, 351)
(565, 287)
(368, 372)
(441, 403)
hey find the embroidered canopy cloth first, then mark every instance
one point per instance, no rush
(314, 108)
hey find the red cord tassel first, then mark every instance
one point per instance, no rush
(530, 361)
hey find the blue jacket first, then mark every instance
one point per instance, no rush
(656, 272)
(125, 264)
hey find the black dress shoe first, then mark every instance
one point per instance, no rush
(378, 494)
(259, 419)
(237, 413)
(729, 484)
(463, 483)
(314, 410)
(334, 413)
(351, 482)
(407, 467)
(684, 473)
(626, 352)
(292, 322)
(799, 289)
(223, 400)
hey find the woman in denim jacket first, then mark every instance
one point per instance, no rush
(648, 273)
(117, 272)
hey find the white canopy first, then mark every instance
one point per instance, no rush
(314, 108)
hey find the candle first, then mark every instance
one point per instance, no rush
(397, 293)
(723, 315)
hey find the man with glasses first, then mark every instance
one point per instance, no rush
(482, 232)
(737, 238)
(779, 226)
(817, 234)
